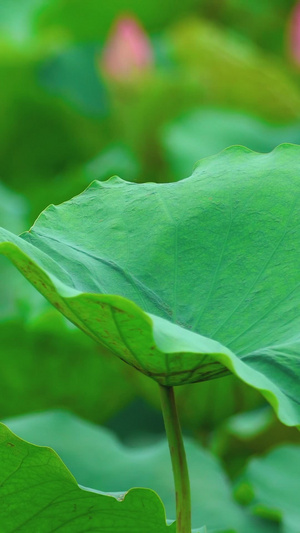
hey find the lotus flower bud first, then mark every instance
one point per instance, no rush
(128, 51)
(294, 34)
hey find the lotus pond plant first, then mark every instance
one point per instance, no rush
(186, 282)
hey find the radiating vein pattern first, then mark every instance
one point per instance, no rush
(184, 281)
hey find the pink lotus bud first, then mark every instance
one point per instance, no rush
(128, 50)
(294, 34)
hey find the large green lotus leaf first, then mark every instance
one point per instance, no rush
(156, 271)
(272, 483)
(38, 493)
(98, 460)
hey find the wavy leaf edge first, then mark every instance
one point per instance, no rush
(164, 334)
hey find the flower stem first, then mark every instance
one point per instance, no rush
(179, 464)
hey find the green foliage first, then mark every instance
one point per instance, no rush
(224, 70)
(232, 249)
(225, 78)
(271, 484)
(80, 21)
(60, 381)
(17, 298)
(72, 75)
(262, 21)
(55, 99)
(205, 132)
(196, 409)
(73, 372)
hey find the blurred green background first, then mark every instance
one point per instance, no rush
(142, 90)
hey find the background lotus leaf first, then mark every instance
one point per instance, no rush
(98, 460)
(272, 485)
(51, 498)
(206, 131)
